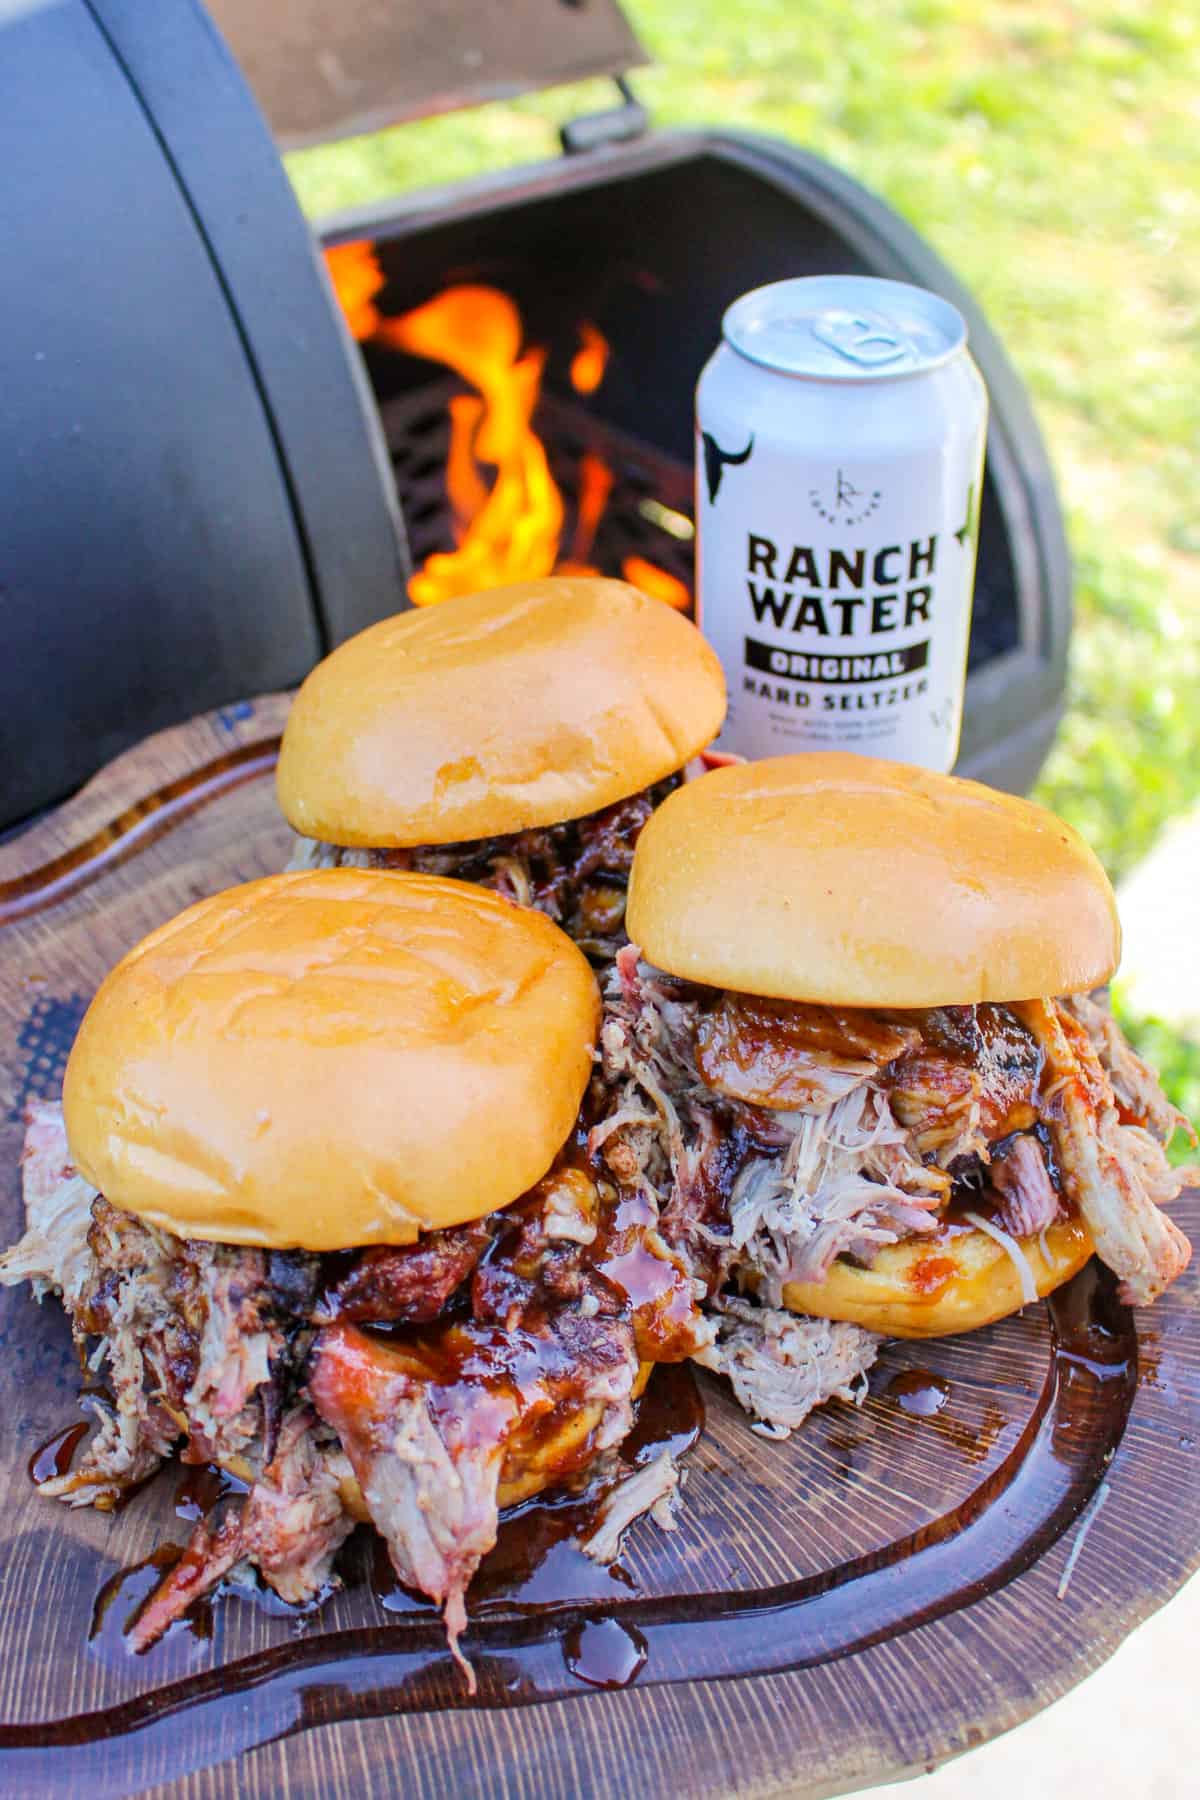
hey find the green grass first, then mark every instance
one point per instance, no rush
(1051, 153)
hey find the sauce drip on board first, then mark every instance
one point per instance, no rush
(54, 1456)
(536, 1561)
(604, 1652)
(200, 1487)
(1065, 1436)
(122, 1598)
(919, 1392)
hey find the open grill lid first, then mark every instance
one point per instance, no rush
(327, 69)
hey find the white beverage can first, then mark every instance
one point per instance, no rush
(840, 433)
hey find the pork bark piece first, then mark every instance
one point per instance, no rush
(209, 1555)
(602, 1253)
(411, 1283)
(1028, 1202)
(771, 1053)
(937, 1101)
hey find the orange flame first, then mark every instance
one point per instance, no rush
(595, 485)
(357, 278)
(658, 582)
(465, 486)
(509, 532)
(590, 360)
(506, 528)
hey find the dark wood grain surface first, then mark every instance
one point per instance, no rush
(863, 1601)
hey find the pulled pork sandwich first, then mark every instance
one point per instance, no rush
(855, 1060)
(312, 1106)
(518, 738)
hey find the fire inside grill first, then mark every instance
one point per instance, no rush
(499, 478)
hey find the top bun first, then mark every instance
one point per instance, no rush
(481, 716)
(332, 1059)
(843, 880)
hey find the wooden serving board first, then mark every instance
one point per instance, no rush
(888, 1588)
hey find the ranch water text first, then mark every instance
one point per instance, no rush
(831, 643)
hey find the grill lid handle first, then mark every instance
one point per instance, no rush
(619, 125)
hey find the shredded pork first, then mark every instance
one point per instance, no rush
(290, 1528)
(652, 1489)
(409, 1283)
(781, 1366)
(54, 1255)
(57, 1255)
(770, 1152)
(845, 1184)
(741, 1180)
(733, 1142)
(1135, 1085)
(1029, 1201)
(519, 1344)
(577, 872)
(1117, 1174)
(430, 1434)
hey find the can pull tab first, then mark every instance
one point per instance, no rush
(861, 337)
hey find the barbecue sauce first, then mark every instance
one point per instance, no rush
(53, 1458)
(604, 1652)
(537, 1557)
(543, 1634)
(201, 1486)
(919, 1392)
(670, 1416)
(122, 1598)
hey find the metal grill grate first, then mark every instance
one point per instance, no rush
(649, 509)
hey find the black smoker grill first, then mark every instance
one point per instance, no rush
(223, 513)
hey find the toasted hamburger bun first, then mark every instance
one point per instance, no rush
(519, 707)
(919, 1289)
(329, 1060)
(840, 879)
